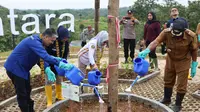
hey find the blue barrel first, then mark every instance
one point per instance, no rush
(60, 72)
(75, 75)
(94, 77)
(141, 66)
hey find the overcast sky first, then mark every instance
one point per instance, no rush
(64, 4)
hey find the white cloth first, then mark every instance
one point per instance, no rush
(87, 53)
(101, 37)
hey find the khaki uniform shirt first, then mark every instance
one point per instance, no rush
(178, 50)
(129, 29)
(87, 35)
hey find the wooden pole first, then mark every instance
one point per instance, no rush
(97, 5)
(113, 10)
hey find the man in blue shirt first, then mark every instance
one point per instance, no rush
(175, 15)
(25, 55)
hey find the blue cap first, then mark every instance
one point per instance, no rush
(62, 32)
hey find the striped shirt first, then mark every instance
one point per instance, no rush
(87, 54)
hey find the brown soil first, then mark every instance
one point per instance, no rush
(122, 73)
(7, 88)
(95, 106)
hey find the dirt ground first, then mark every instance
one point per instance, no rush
(95, 106)
(104, 64)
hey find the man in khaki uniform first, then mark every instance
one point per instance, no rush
(87, 34)
(181, 46)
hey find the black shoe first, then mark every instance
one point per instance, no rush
(176, 108)
(179, 98)
(24, 108)
(126, 61)
(167, 96)
(31, 106)
(165, 101)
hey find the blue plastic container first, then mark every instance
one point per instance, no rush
(75, 75)
(141, 66)
(60, 72)
(94, 77)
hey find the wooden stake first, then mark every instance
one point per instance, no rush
(97, 5)
(113, 10)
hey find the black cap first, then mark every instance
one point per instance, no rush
(179, 25)
(62, 32)
(130, 12)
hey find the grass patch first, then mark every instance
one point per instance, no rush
(5, 54)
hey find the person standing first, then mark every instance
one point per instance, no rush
(129, 34)
(25, 55)
(56, 49)
(151, 30)
(198, 37)
(181, 46)
(87, 34)
(174, 14)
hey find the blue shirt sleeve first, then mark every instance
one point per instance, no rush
(169, 23)
(36, 46)
(46, 65)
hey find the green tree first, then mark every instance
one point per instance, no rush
(81, 27)
(142, 7)
(193, 14)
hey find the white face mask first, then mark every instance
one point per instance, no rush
(176, 33)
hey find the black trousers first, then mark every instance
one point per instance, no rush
(66, 50)
(23, 91)
(152, 54)
(83, 44)
(131, 44)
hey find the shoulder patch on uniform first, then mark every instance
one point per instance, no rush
(167, 30)
(92, 46)
(191, 33)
